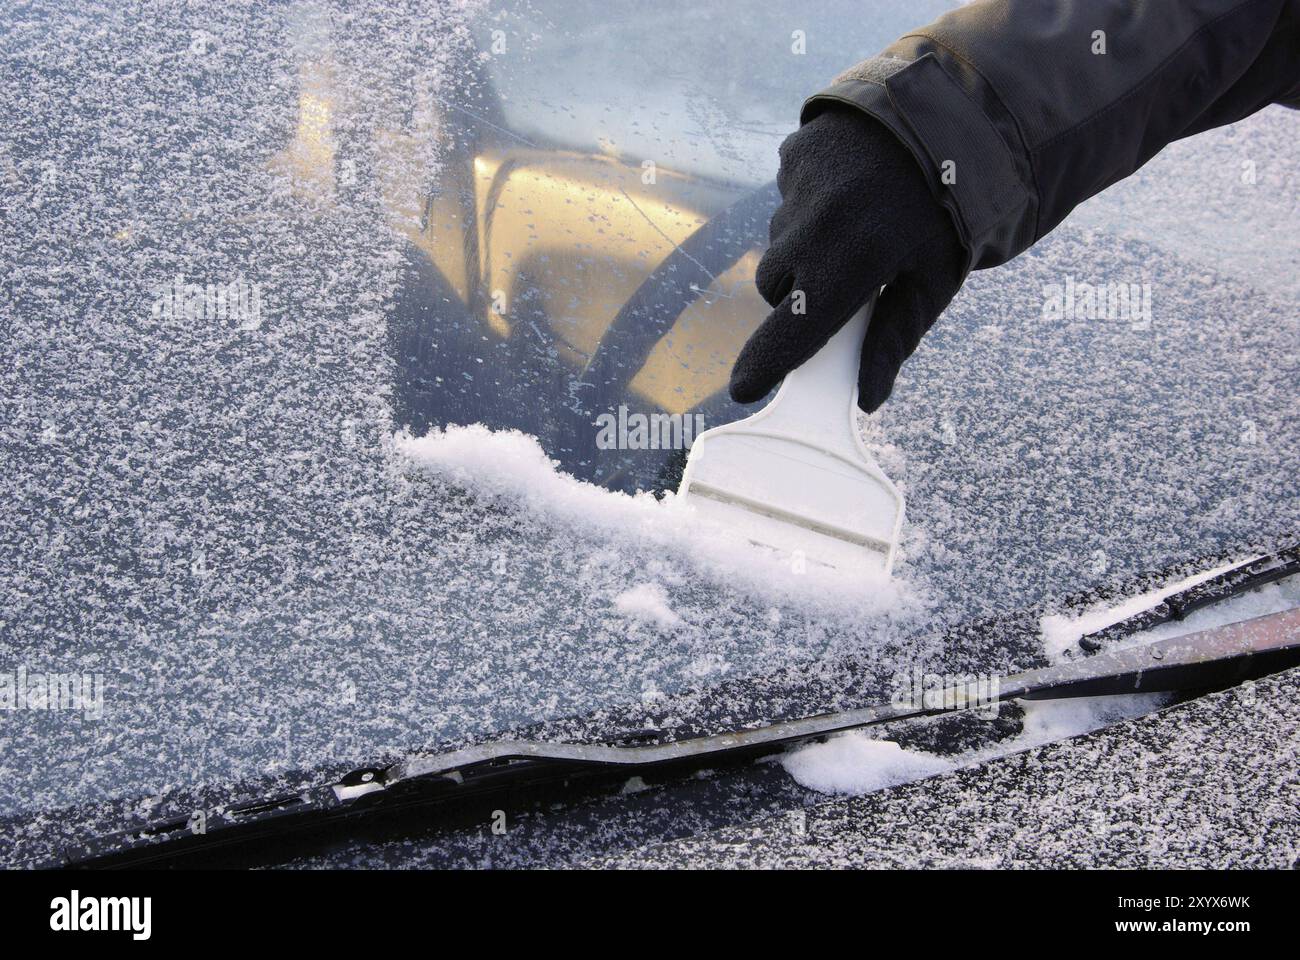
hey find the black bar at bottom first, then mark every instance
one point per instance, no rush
(945, 910)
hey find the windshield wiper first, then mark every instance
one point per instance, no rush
(1178, 606)
(1214, 658)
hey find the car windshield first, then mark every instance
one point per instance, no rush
(347, 346)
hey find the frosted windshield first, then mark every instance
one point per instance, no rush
(258, 261)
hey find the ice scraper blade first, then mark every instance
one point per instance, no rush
(796, 476)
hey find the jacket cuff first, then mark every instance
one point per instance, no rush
(968, 163)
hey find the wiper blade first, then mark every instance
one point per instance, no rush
(1231, 583)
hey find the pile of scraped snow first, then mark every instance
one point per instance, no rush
(1047, 721)
(854, 763)
(511, 467)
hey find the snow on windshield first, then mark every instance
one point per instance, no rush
(217, 495)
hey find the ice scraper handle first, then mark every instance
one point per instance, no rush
(835, 366)
(821, 395)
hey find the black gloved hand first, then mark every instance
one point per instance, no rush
(856, 214)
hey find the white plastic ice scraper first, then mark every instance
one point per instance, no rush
(796, 476)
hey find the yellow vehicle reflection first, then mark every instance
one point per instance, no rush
(543, 244)
(585, 231)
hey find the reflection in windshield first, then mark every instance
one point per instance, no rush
(583, 260)
(550, 290)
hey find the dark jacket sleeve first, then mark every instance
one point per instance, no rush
(1022, 109)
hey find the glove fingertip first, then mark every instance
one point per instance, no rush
(874, 386)
(883, 353)
(746, 387)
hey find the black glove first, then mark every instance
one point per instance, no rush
(856, 214)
